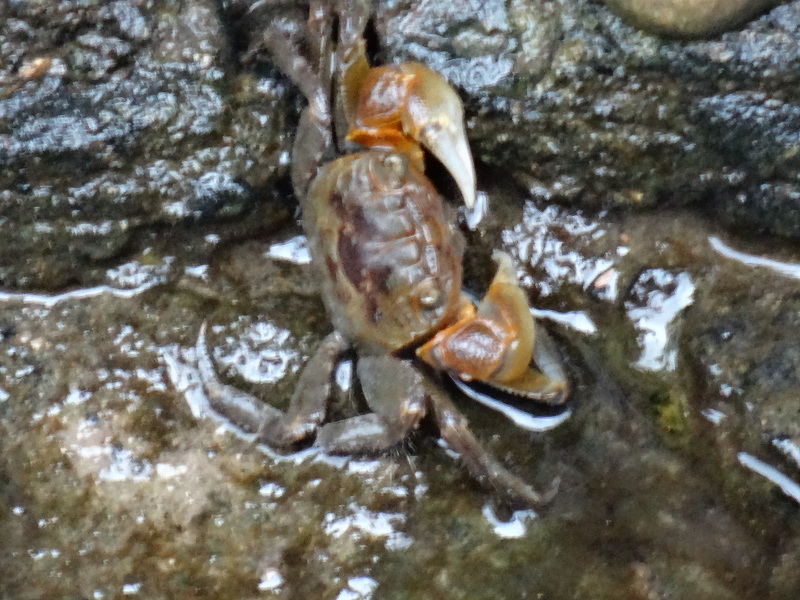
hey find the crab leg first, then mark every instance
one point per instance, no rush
(351, 57)
(309, 403)
(353, 17)
(307, 407)
(314, 139)
(280, 39)
(320, 39)
(454, 429)
(242, 410)
(394, 391)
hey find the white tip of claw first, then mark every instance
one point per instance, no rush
(503, 260)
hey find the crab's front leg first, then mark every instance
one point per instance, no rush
(307, 408)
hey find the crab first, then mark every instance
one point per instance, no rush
(387, 253)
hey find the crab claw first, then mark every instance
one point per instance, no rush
(403, 106)
(495, 344)
(434, 116)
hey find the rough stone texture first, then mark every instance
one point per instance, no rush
(740, 339)
(121, 116)
(608, 116)
(129, 129)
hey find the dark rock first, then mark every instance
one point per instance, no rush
(607, 116)
(117, 117)
(138, 139)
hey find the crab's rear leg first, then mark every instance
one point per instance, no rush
(313, 143)
(353, 18)
(237, 407)
(454, 429)
(351, 62)
(394, 391)
(307, 408)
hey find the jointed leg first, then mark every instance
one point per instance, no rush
(309, 403)
(320, 39)
(281, 39)
(307, 407)
(314, 138)
(483, 466)
(351, 63)
(353, 17)
(394, 391)
(244, 411)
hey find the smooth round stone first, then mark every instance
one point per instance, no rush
(689, 18)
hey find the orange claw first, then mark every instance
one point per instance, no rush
(406, 107)
(495, 344)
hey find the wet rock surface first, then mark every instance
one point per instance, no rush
(121, 116)
(608, 116)
(143, 191)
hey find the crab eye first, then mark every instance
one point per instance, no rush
(429, 294)
(395, 164)
(388, 171)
